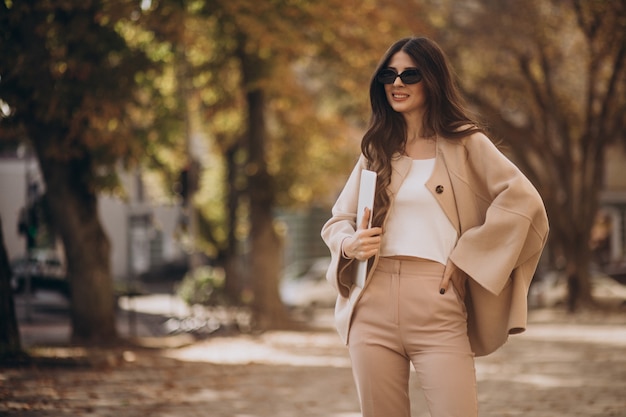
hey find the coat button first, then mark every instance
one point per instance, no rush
(439, 189)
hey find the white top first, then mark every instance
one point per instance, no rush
(417, 225)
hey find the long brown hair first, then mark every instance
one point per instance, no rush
(445, 114)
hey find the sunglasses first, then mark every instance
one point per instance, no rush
(388, 76)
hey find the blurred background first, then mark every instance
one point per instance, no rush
(195, 147)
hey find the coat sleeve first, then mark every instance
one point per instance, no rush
(512, 224)
(340, 226)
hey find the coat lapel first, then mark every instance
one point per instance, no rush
(440, 186)
(401, 165)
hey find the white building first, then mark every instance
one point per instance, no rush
(142, 234)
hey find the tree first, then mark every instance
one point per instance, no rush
(71, 73)
(68, 78)
(280, 69)
(10, 345)
(550, 79)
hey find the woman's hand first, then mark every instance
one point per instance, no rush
(365, 243)
(452, 274)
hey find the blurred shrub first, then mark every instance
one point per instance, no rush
(203, 285)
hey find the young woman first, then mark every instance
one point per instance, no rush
(456, 234)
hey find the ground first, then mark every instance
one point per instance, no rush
(563, 365)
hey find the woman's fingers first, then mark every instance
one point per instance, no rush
(367, 239)
(368, 243)
(447, 274)
(365, 242)
(365, 220)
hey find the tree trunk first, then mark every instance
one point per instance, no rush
(74, 211)
(265, 245)
(10, 346)
(578, 279)
(265, 263)
(233, 285)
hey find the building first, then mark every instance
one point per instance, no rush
(142, 233)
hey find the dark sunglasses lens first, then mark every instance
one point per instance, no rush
(411, 77)
(387, 76)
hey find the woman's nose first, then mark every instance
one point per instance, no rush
(398, 81)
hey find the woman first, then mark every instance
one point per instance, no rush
(456, 234)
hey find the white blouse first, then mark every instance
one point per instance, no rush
(417, 225)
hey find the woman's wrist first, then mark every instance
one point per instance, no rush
(343, 249)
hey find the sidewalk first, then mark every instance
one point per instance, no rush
(43, 317)
(562, 366)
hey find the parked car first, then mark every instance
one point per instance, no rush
(551, 290)
(45, 270)
(304, 285)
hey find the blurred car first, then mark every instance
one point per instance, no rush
(304, 285)
(551, 290)
(44, 269)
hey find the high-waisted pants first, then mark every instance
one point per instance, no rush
(402, 318)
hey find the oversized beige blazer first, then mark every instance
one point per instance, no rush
(502, 226)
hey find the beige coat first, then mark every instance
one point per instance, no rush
(501, 221)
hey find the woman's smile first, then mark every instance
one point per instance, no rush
(399, 96)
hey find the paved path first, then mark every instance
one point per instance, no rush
(562, 366)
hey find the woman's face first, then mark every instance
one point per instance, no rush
(408, 99)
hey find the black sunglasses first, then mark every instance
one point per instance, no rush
(388, 76)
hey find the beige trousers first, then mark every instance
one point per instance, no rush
(402, 318)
